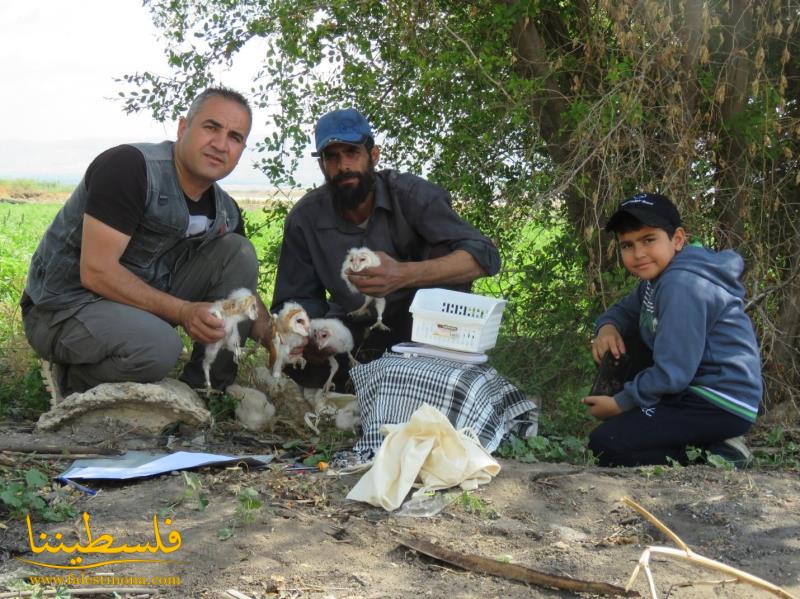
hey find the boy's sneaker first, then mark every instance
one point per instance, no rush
(54, 376)
(734, 450)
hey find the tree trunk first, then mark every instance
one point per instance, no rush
(732, 189)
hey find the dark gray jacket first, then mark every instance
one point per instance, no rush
(411, 217)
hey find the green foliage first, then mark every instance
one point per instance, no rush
(693, 454)
(21, 228)
(322, 447)
(193, 495)
(717, 461)
(544, 343)
(222, 406)
(38, 591)
(472, 504)
(650, 472)
(248, 504)
(22, 397)
(22, 393)
(29, 492)
(780, 450)
(194, 491)
(265, 229)
(547, 449)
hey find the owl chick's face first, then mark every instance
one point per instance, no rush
(322, 337)
(250, 308)
(359, 259)
(299, 324)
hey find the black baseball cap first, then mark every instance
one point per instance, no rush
(651, 209)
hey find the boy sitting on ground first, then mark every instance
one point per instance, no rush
(699, 372)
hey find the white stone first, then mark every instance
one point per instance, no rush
(148, 407)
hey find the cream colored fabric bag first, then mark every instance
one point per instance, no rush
(429, 448)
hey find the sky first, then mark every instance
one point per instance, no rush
(58, 62)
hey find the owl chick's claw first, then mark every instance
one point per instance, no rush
(379, 325)
(237, 354)
(363, 310)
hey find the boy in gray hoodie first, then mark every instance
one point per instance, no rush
(701, 385)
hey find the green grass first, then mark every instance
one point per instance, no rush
(22, 394)
(21, 227)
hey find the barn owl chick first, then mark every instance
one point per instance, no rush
(331, 337)
(240, 305)
(358, 259)
(254, 411)
(289, 331)
(348, 417)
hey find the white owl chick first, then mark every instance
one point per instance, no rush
(254, 411)
(240, 305)
(358, 259)
(289, 330)
(331, 337)
(348, 417)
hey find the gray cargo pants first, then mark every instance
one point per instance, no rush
(105, 341)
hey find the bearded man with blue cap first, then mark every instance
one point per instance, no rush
(407, 221)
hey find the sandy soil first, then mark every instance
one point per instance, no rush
(309, 541)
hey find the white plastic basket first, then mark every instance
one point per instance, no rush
(455, 320)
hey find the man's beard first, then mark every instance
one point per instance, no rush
(347, 196)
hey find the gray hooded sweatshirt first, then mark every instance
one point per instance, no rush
(692, 318)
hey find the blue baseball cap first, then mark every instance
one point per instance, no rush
(347, 126)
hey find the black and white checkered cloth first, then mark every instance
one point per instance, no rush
(391, 388)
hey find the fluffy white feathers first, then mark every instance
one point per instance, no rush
(331, 337)
(290, 328)
(358, 259)
(254, 411)
(240, 305)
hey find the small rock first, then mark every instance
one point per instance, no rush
(568, 534)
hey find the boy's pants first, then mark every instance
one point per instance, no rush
(105, 341)
(640, 437)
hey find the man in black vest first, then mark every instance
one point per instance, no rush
(145, 242)
(407, 221)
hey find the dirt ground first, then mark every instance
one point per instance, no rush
(307, 540)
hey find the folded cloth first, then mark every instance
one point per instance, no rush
(429, 448)
(390, 388)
